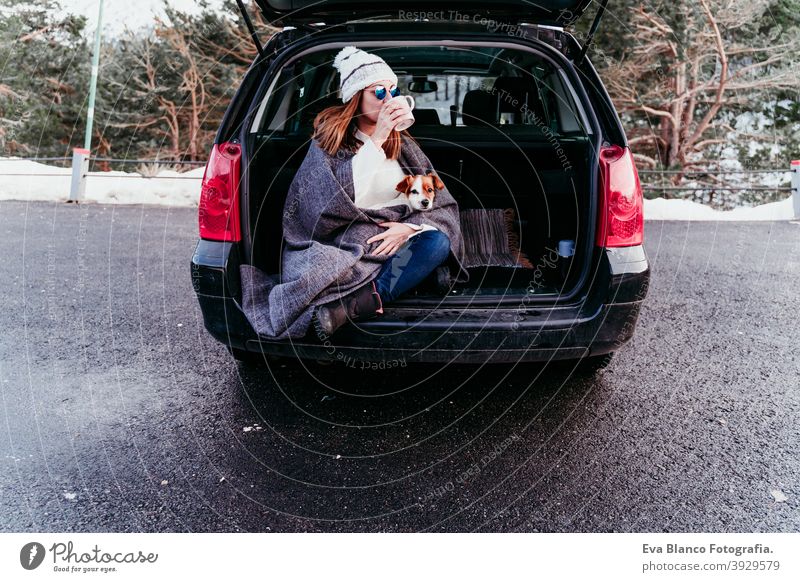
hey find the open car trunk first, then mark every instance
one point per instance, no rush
(554, 12)
(546, 190)
(538, 176)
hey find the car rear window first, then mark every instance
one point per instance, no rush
(469, 87)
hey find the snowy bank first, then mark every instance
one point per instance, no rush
(661, 209)
(24, 180)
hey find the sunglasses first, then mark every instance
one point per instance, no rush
(380, 92)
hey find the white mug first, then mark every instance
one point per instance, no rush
(408, 120)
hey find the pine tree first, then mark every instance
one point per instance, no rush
(43, 78)
(165, 92)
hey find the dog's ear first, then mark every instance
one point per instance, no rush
(437, 183)
(404, 184)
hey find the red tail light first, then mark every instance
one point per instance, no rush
(218, 212)
(621, 211)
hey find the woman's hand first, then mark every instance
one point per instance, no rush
(390, 113)
(393, 237)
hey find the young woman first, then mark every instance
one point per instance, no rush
(365, 124)
(351, 243)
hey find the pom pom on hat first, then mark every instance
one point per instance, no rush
(359, 69)
(344, 53)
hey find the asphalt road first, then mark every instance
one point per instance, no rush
(119, 413)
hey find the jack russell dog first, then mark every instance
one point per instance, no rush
(419, 190)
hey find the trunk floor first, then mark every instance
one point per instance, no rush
(497, 281)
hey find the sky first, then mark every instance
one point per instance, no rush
(117, 14)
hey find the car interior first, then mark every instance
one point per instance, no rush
(503, 128)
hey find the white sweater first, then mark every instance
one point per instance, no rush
(375, 178)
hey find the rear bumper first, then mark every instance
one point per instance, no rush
(519, 331)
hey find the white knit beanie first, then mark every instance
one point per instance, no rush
(359, 69)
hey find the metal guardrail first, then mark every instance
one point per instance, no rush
(139, 177)
(80, 170)
(81, 159)
(794, 187)
(704, 188)
(714, 186)
(712, 172)
(111, 160)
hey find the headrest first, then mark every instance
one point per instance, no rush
(480, 108)
(310, 111)
(427, 117)
(525, 92)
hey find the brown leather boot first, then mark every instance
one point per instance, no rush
(363, 303)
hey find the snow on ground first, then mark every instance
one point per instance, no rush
(661, 209)
(25, 180)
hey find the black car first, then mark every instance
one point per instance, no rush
(513, 116)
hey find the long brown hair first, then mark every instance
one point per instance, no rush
(335, 128)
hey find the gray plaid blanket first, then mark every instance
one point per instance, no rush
(325, 255)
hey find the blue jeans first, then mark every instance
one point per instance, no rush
(411, 263)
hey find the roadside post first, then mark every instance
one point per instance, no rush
(80, 168)
(80, 156)
(796, 188)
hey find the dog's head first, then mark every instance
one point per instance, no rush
(420, 190)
